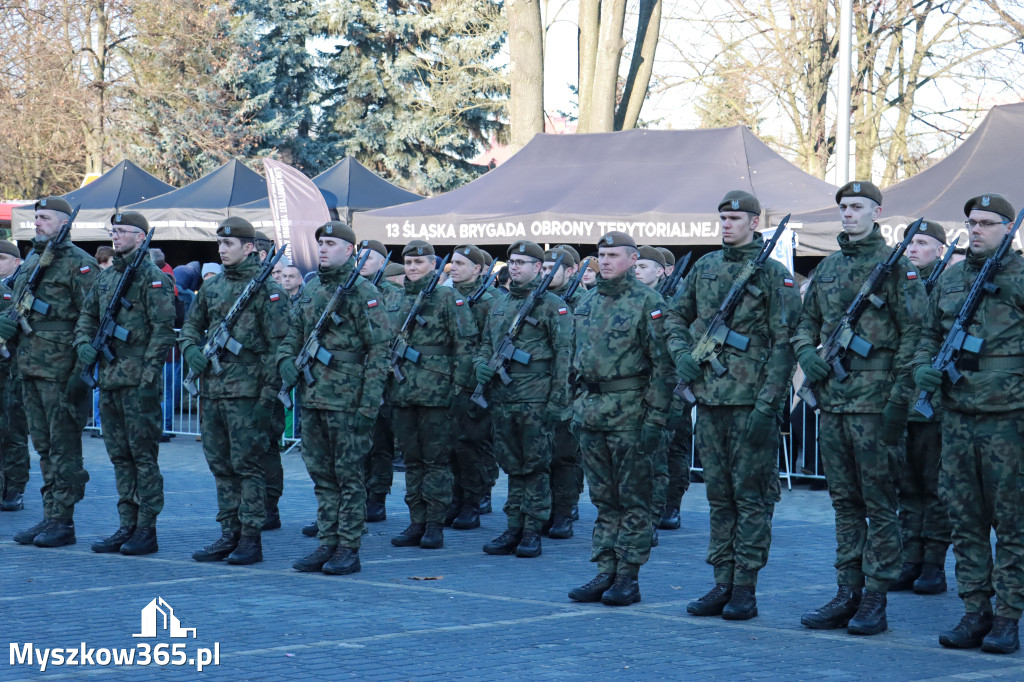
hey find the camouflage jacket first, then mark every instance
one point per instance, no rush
(389, 291)
(916, 416)
(259, 328)
(546, 378)
(346, 384)
(768, 318)
(482, 308)
(6, 364)
(573, 300)
(48, 352)
(450, 336)
(149, 321)
(619, 335)
(993, 381)
(893, 329)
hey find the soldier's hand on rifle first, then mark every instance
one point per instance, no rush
(197, 362)
(928, 379)
(760, 423)
(289, 372)
(894, 422)
(687, 367)
(484, 373)
(86, 354)
(815, 369)
(8, 328)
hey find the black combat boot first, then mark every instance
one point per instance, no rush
(433, 536)
(375, 509)
(908, 574)
(468, 517)
(26, 536)
(410, 537)
(311, 530)
(452, 512)
(932, 580)
(505, 543)
(344, 562)
(743, 605)
(712, 603)
(575, 512)
(143, 541)
(484, 507)
(529, 545)
(1002, 638)
(670, 519)
(835, 614)
(969, 632)
(561, 527)
(316, 560)
(13, 501)
(273, 520)
(60, 532)
(592, 591)
(249, 551)
(623, 592)
(870, 617)
(219, 550)
(114, 542)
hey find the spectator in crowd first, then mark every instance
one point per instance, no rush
(211, 269)
(188, 277)
(291, 281)
(104, 257)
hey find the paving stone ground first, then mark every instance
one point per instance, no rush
(449, 614)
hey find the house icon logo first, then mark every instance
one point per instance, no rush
(152, 621)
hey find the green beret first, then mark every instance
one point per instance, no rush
(651, 253)
(488, 258)
(670, 258)
(337, 230)
(551, 255)
(132, 218)
(472, 253)
(236, 227)
(262, 237)
(860, 188)
(571, 251)
(933, 230)
(418, 247)
(10, 248)
(738, 200)
(616, 239)
(394, 270)
(526, 248)
(54, 204)
(373, 245)
(996, 203)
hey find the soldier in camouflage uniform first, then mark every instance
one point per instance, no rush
(737, 428)
(241, 399)
(924, 521)
(863, 418)
(131, 387)
(340, 409)
(55, 399)
(624, 378)
(421, 403)
(14, 460)
(527, 409)
(982, 451)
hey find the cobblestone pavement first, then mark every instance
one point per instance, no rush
(446, 614)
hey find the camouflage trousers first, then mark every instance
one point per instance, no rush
(473, 447)
(334, 455)
(566, 470)
(522, 446)
(234, 447)
(862, 472)
(273, 472)
(620, 480)
(131, 432)
(56, 428)
(378, 465)
(982, 481)
(924, 521)
(425, 436)
(680, 455)
(14, 459)
(738, 476)
(659, 482)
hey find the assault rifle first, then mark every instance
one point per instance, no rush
(718, 335)
(843, 338)
(400, 348)
(219, 339)
(9, 280)
(958, 340)
(383, 266)
(109, 329)
(485, 284)
(506, 353)
(311, 349)
(25, 301)
(577, 279)
(929, 283)
(671, 283)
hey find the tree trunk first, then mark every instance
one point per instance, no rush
(526, 74)
(589, 22)
(606, 68)
(641, 65)
(95, 132)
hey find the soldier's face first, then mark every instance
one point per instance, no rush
(8, 264)
(291, 279)
(48, 223)
(859, 215)
(126, 238)
(924, 250)
(648, 271)
(333, 251)
(232, 251)
(373, 263)
(738, 227)
(560, 278)
(522, 269)
(669, 270)
(418, 267)
(986, 229)
(615, 261)
(276, 272)
(463, 269)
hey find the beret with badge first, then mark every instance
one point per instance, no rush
(571, 251)
(472, 253)
(616, 238)
(337, 230)
(236, 227)
(933, 229)
(652, 254)
(132, 218)
(373, 245)
(996, 203)
(738, 200)
(860, 188)
(54, 204)
(526, 248)
(418, 247)
(551, 255)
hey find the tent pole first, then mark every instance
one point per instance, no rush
(845, 57)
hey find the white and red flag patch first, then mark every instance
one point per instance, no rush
(84, 269)
(158, 284)
(911, 274)
(788, 282)
(372, 303)
(459, 301)
(275, 296)
(563, 311)
(655, 314)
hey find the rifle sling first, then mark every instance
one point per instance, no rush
(246, 357)
(53, 326)
(877, 361)
(433, 350)
(346, 356)
(535, 367)
(131, 352)
(991, 362)
(625, 384)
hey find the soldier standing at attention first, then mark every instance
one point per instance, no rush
(737, 429)
(527, 409)
(131, 386)
(864, 417)
(340, 409)
(982, 451)
(650, 266)
(421, 403)
(56, 400)
(670, 260)
(624, 378)
(14, 459)
(241, 399)
(924, 519)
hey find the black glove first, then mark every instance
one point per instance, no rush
(815, 369)
(894, 422)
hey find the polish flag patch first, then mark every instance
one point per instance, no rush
(655, 314)
(371, 303)
(158, 285)
(85, 269)
(274, 297)
(7, 297)
(911, 274)
(459, 301)
(787, 282)
(563, 311)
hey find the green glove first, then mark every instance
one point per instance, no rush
(928, 379)
(687, 368)
(289, 372)
(484, 373)
(650, 437)
(8, 328)
(815, 369)
(760, 424)
(197, 362)
(74, 390)
(894, 422)
(86, 354)
(262, 412)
